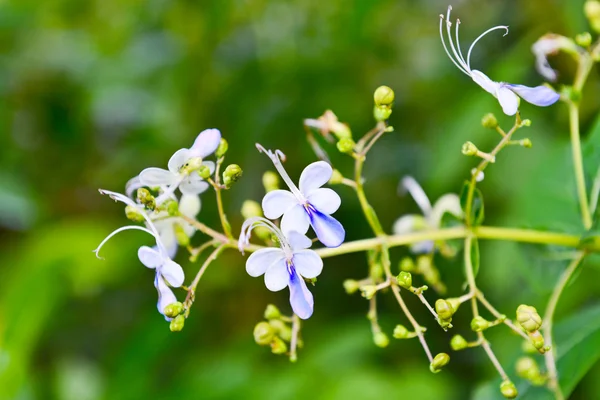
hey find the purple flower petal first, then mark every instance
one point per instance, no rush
(172, 272)
(206, 143)
(277, 276)
(150, 257)
(301, 299)
(325, 200)
(260, 260)
(295, 219)
(276, 202)
(307, 263)
(328, 229)
(314, 176)
(540, 95)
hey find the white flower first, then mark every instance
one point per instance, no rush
(432, 216)
(167, 270)
(287, 265)
(309, 205)
(180, 166)
(548, 45)
(507, 93)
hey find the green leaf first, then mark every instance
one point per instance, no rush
(477, 209)
(475, 256)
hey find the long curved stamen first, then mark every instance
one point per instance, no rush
(448, 26)
(256, 222)
(479, 38)
(409, 184)
(458, 44)
(446, 48)
(276, 158)
(121, 229)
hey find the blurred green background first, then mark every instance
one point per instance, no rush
(92, 92)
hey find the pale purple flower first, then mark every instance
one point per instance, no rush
(551, 44)
(507, 93)
(287, 265)
(306, 205)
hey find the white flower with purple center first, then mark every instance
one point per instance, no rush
(507, 93)
(306, 205)
(181, 167)
(287, 265)
(432, 215)
(168, 272)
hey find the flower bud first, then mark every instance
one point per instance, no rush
(479, 324)
(133, 214)
(528, 318)
(405, 279)
(537, 340)
(177, 323)
(584, 39)
(270, 181)
(527, 368)
(469, 149)
(384, 96)
(444, 309)
(351, 286)
(173, 310)
(232, 174)
(282, 329)
(382, 113)
(489, 121)
(222, 149)
(381, 339)
(278, 346)
(508, 390)
(204, 172)
(526, 122)
(341, 131)
(146, 198)
(407, 264)
(376, 271)
(336, 177)
(368, 291)
(346, 145)
(439, 361)
(528, 348)
(182, 238)
(592, 12)
(263, 333)
(251, 208)
(193, 164)
(400, 332)
(458, 343)
(272, 312)
(526, 143)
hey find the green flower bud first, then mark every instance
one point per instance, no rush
(400, 332)
(204, 172)
(146, 198)
(384, 96)
(192, 165)
(232, 174)
(489, 121)
(439, 361)
(527, 368)
(134, 214)
(458, 343)
(526, 143)
(376, 271)
(592, 12)
(528, 348)
(336, 177)
(382, 113)
(445, 309)
(346, 145)
(479, 324)
(177, 323)
(508, 390)
(272, 312)
(381, 339)
(405, 279)
(351, 286)
(278, 346)
(270, 181)
(528, 318)
(537, 340)
(182, 238)
(469, 149)
(282, 329)
(263, 333)
(341, 131)
(173, 310)
(407, 264)
(251, 208)
(584, 39)
(222, 149)
(526, 122)
(368, 291)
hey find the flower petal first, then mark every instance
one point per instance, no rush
(206, 143)
(260, 260)
(298, 241)
(448, 203)
(325, 200)
(307, 263)
(189, 205)
(418, 194)
(540, 95)
(150, 257)
(157, 177)
(277, 276)
(210, 165)
(132, 185)
(165, 294)
(178, 160)
(486, 83)
(295, 219)
(328, 229)
(301, 299)
(508, 100)
(166, 232)
(193, 185)
(425, 246)
(172, 272)
(277, 202)
(409, 223)
(314, 176)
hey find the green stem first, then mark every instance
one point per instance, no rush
(578, 165)
(221, 210)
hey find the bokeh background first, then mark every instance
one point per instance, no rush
(92, 92)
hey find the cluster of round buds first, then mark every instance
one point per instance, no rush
(529, 319)
(276, 332)
(424, 266)
(175, 311)
(445, 309)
